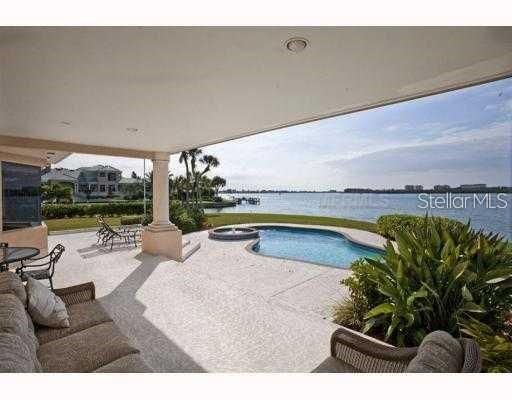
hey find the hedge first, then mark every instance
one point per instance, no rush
(55, 211)
(132, 220)
(185, 222)
(387, 225)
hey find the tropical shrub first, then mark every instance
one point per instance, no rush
(387, 225)
(186, 223)
(186, 220)
(57, 193)
(362, 293)
(437, 277)
(496, 348)
(197, 215)
(350, 312)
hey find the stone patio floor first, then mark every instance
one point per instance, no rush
(222, 310)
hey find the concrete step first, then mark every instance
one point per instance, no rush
(189, 248)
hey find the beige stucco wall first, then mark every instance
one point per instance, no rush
(36, 236)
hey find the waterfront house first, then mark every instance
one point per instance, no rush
(99, 181)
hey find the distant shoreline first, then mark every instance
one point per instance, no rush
(496, 189)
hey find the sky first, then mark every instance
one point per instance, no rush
(454, 138)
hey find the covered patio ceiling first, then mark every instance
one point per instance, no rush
(131, 91)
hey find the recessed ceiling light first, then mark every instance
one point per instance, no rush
(296, 44)
(67, 123)
(132, 130)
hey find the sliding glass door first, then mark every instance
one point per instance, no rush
(21, 200)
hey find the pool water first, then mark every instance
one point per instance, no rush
(311, 245)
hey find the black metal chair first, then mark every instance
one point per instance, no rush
(48, 261)
(122, 236)
(102, 230)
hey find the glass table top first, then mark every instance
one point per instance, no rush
(13, 254)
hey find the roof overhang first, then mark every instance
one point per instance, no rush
(31, 155)
(139, 90)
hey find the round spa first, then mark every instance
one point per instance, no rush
(235, 233)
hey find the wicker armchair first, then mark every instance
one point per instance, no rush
(77, 294)
(352, 351)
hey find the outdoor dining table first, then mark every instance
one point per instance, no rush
(10, 255)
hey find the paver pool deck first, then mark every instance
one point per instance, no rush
(222, 310)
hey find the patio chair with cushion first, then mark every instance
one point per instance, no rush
(45, 266)
(352, 351)
(125, 236)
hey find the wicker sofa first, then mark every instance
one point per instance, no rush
(92, 343)
(353, 351)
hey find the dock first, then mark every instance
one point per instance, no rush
(248, 200)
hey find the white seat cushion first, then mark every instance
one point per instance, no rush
(45, 307)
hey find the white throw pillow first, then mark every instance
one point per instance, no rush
(45, 307)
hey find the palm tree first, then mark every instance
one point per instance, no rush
(193, 177)
(194, 155)
(149, 183)
(218, 183)
(189, 159)
(209, 162)
(184, 159)
(180, 186)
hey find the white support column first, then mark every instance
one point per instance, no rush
(161, 194)
(161, 237)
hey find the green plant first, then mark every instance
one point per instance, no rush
(350, 312)
(55, 211)
(186, 223)
(131, 220)
(195, 180)
(437, 275)
(198, 216)
(362, 293)
(388, 225)
(57, 193)
(496, 348)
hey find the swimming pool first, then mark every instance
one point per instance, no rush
(317, 246)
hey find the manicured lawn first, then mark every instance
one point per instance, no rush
(244, 218)
(77, 223)
(225, 219)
